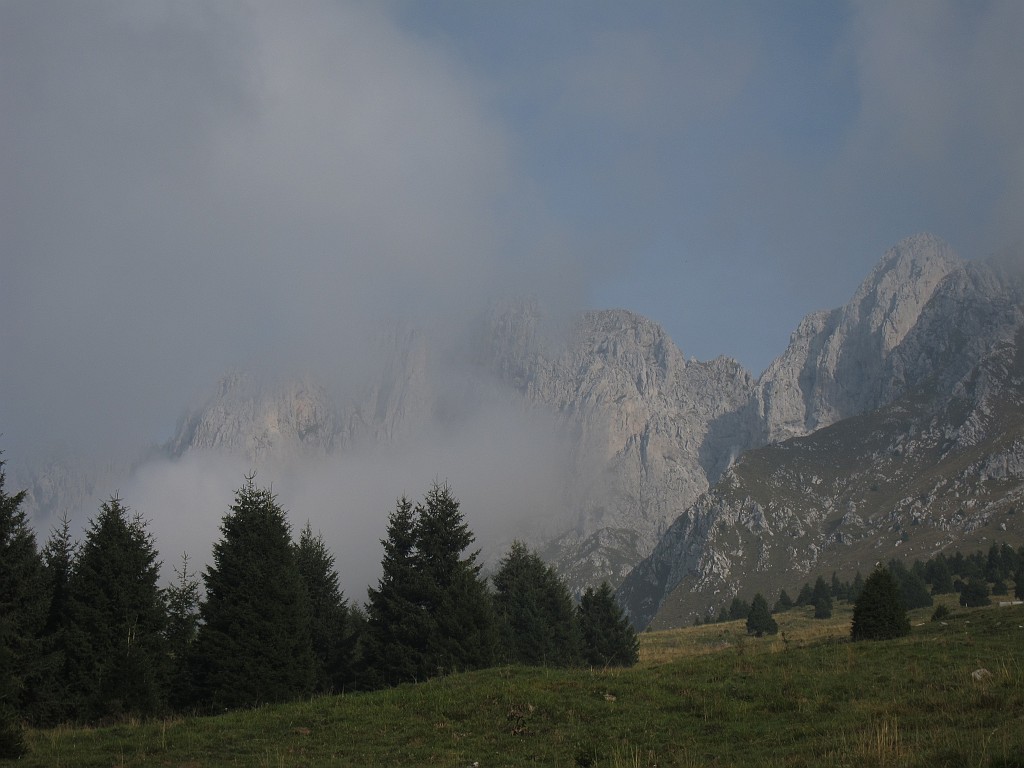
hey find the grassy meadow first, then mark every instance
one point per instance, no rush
(702, 696)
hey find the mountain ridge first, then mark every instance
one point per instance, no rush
(644, 433)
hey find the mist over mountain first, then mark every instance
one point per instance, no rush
(594, 438)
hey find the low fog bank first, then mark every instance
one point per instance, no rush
(506, 468)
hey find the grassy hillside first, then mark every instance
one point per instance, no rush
(705, 696)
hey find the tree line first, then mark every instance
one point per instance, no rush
(892, 591)
(87, 634)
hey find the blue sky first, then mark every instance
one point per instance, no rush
(729, 167)
(189, 186)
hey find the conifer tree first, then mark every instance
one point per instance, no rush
(22, 616)
(397, 621)
(52, 699)
(821, 599)
(939, 576)
(738, 609)
(856, 587)
(760, 621)
(912, 587)
(1018, 582)
(253, 645)
(182, 628)
(609, 640)
(535, 612)
(806, 595)
(879, 613)
(975, 594)
(464, 634)
(116, 651)
(328, 613)
(994, 567)
(836, 587)
(784, 603)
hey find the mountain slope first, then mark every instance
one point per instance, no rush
(941, 465)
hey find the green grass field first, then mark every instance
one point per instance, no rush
(705, 696)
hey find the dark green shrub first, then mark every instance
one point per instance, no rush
(880, 613)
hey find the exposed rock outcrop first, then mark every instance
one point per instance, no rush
(837, 363)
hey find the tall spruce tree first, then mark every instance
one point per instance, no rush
(397, 622)
(464, 634)
(116, 651)
(608, 638)
(821, 599)
(52, 699)
(328, 613)
(880, 613)
(536, 616)
(23, 604)
(253, 646)
(760, 621)
(431, 612)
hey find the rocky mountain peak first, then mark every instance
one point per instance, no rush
(836, 363)
(255, 419)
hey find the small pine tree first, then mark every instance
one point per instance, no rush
(994, 567)
(182, 628)
(856, 587)
(939, 576)
(821, 590)
(879, 613)
(535, 612)
(823, 608)
(912, 586)
(759, 620)
(821, 599)
(975, 594)
(1011, 560)
(784, 603)
(738, 609)
(609, 640)
(806, 595)
(1018, 582)
(836, 587)
(253, 645)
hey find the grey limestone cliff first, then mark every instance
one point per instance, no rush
(932, 459)
(838, 363)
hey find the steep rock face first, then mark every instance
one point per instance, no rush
(975, 310)
(838, 363)
(649, 428)
(939, 465)
(290, 418)
(400, 399)
(248, 418)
